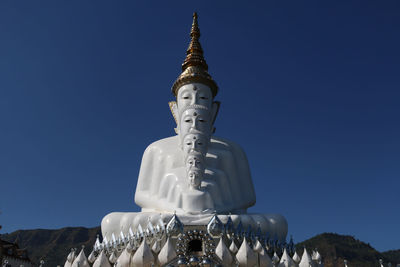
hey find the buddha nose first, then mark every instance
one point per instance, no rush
(193, 100)
(194, 145)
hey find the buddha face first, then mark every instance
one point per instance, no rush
(195, 142)
(195, 168)
(195, 177)
(195, 120)
(194, 94)
(195, 160)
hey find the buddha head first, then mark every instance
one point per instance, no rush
(195, 160)
(195, 142)
(195, 167)
(195, 119)
(195, 178)
(194, 94)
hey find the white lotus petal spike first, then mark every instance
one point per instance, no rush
(113, 257)
(233, 248)
(167, 253)
(122, 237)
(97, 244)
(131, 234)
(258, 247)
(143, 256)
(275, 258)
(246, 256)
(286, 260)
(105, 242)
(92, 257)
(124, 260)
(223, 254)
(140, 232)
(296, 258)
(114, 240)
(70, 258)
(264, 260)
(316, 256)
(161, 224)
(306, 260)
(102, 260)
(130, 247)
(81, 260)
(156, 247)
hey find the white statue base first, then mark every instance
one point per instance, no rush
(273, 225)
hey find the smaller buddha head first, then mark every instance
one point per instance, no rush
(195, 160)
(195, 142)
(195, 177)
(194, 94)
(195, 167)
(195, 119)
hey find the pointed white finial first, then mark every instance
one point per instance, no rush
(275, 258)
(101, 260)
(286, 261)
(296, 258)
(246, 256)
(92, 257)
(113, 257)
(156, 248)
(264, 259)
(81, 260)
(233, 248)
(223, 253)
(124, 259)
(167, 253)
(257, 246)
(143, 256)
(306, 260)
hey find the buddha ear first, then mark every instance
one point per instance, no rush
(174, 110)
(214, 111)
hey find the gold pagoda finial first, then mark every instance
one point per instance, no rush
(194, 67)
(194, 53)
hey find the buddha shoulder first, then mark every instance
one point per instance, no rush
(221, 143)
(166, 145)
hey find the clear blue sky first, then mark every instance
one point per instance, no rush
(309, 89)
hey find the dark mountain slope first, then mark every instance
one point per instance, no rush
(335, 248)
(53, 245)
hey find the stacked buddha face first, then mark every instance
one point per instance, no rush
(195, 112)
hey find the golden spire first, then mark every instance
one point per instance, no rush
(194, 68)
(194, 53)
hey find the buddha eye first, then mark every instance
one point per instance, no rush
(188, 143)
(203, 97)
(188, 120)
(201, 120)
(199, 143)
(185, 97)
(191, 162)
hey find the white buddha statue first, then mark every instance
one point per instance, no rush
(163, 183)
(193, 173)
